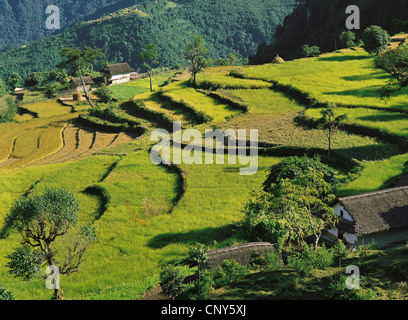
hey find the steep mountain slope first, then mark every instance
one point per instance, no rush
(24, 20)
(227, 26)
(319, 22)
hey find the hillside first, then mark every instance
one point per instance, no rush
(228, 26)
(148, 215)
(24, 21)
(320, 22)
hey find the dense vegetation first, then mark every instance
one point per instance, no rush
(320, 23)
(24, 21)
(234, 26)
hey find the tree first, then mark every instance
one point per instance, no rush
(394, 62)
(79, 62)
(347, 39)
(48, 223)
(330, 124)
(195, 54)
(375, 39)
(292, 210)
(197, 255)
(149, 56)
(6, 294)
(308, 51)
(14, 80)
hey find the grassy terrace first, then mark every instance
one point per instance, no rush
(345, 78)
(147, 214)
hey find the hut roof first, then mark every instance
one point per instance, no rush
(119, 68)
(78, 81)
(378, 211)
(241, 254)
(277, 59)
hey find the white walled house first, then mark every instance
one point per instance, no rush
(380, 216)
(119, 73)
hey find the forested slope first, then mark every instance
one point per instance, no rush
(228, 26)
(320, 22)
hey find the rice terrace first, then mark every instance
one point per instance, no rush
(200, 230)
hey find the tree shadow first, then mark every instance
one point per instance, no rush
(205, 236)
(375, 75)
(343, 58)
(373, 152)
(384, 117)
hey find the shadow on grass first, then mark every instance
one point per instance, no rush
(375, 75)
(205, 236)
(275, 285)
(384, 117)
(380, 151)
(343, 58)
(366, 92)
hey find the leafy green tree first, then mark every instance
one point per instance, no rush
(329, 123)
(14, 80)
(347, 39)
(310, 51)
(375, 39)
(291, 210)
(197, 255)
(48, 223)
(24, 262)
(171, 281)
(195, 54)
(150, 56)
(8, 109)
(79, 62)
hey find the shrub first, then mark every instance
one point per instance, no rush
(295, 167)
(338, 290)
(310, 259)
(376, 39)
(266, 260)
(171, 281)
(339, 251)
(230, 270)
(24, 262)
(347, 39)
(8, 109)
(310, 51)
(394, 61)
(6, 294)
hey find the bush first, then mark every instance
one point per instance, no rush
(394, 61)
(8, 109)
(310, 259)
(310, 51)
(339, 251)
(24, 262)
(347, 39)
(230, 270)
(266, 260)
(376, 39)
(339, 291)
(295, 167)
(6, 294)
(171, 281)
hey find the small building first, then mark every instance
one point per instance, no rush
(77, 85)
(380, 216)
(119, 73)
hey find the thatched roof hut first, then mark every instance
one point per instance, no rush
(378, 211)
(242, 253)
(278, 59)
(381, 216)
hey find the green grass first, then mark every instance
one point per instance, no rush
(126, 91)
(219, 112)
(219, 80)
(393, 122)
(346, 78)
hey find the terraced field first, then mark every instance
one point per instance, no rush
(148, 215)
